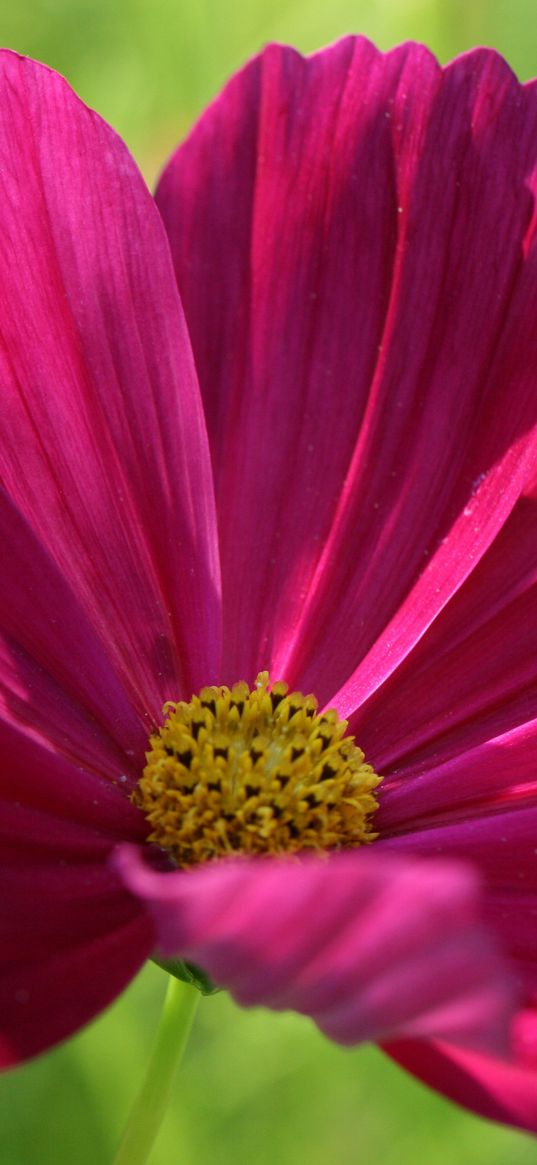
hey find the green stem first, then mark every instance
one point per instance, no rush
(150, 1105)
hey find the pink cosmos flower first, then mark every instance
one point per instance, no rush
(284, 418)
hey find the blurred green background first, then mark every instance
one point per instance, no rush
(255, 1088)
(149, 66)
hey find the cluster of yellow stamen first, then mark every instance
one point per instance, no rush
(247, 771)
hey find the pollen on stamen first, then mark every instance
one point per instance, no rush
(254, 771)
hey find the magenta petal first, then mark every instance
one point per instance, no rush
(499, 1090)
(57, 684)
(70, 937)
(326, 938)
(102, 436)
(499, 774)
(501, 846)
(46, 999)
(473, 676)
(367, 298)
(35, 779)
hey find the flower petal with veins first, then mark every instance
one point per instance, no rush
(284, 419)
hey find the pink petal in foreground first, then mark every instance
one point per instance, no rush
(370, 947)
(501, 846)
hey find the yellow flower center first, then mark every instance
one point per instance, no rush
(254, 771)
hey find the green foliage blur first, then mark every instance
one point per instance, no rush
(149, 66)
(255, 1088)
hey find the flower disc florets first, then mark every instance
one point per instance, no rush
(254, 771)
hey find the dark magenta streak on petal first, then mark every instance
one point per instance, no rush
(35, 780)
(26, 834)
(325, 938)
(56, 680)
(492, 1088)
(368, 222)
(70, 941)
(70, 937)
(102, 437)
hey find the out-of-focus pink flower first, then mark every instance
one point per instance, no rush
(328, 471)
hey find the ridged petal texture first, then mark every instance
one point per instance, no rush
(109, 598)
(371, 289)
(285, 419)
(325, 938)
